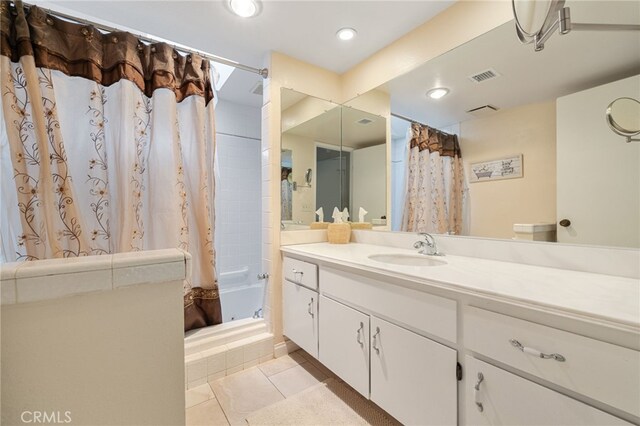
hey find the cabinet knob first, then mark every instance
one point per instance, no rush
(565, 223)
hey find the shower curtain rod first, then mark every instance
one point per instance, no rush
(410, 120)
(264, 72)
(238, 136)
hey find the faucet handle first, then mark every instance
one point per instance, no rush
(428, 238)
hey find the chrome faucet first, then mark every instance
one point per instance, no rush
(428, 246)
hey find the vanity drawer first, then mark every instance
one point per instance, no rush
(300, 272)
(599, 370)
(412, 308)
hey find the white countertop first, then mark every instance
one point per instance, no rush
(597, 296)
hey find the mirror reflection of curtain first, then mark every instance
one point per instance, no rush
(286, 194)
(435, 197)
(108, 144)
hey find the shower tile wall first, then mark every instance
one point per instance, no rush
(238, 200)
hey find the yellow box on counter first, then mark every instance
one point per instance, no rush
(339, 233)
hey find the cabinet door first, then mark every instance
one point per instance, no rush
(300, 316)
(413, 378)
(507, 399)
(344, 343)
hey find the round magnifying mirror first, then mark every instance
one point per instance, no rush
(534, 16)
(623, 116)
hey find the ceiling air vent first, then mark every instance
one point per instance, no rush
(364, 121)
(257, 89)
(483, 111)
(484, 75)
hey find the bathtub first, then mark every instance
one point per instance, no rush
(242, 302)
(241, 295)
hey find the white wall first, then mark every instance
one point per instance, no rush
(238, 201)
(238, 119)
(108, 358)
(399, 148)
(598, 172)
(99, 337)
(369, 177)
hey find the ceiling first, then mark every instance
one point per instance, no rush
(302, 29)
(569, 63)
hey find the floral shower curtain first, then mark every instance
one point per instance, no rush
(286, 194)
(107, 145)
(436, 193)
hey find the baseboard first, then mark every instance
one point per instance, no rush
(284, 348)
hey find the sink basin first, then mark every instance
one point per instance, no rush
(407, 259)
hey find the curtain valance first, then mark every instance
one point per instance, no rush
(434, 140)
(84, 51)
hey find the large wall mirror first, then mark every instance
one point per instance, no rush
(539, 159)
(331, 156)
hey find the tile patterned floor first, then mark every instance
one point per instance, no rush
(229, 400)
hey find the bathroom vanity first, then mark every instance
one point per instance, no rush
(462, 340)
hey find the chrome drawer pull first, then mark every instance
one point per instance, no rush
(310, 310)
(295, 273)
(375, 340)
(476, 392)
(358, 336)
(536, 352)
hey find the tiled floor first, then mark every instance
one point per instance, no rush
(228, 401)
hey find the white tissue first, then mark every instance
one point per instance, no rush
(337, 216)
(320, 213)
(345, 215)
(361, 214)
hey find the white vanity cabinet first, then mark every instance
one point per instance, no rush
(402, 342)
(344, 343)
(410, 376)
(497, 397)
(300, 305)
(413, 378)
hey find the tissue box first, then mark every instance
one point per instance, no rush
(338, 233)
(361, 225)
(319, 225)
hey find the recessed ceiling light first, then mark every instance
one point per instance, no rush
(437, 93)
(346, 34)
(244, 8)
